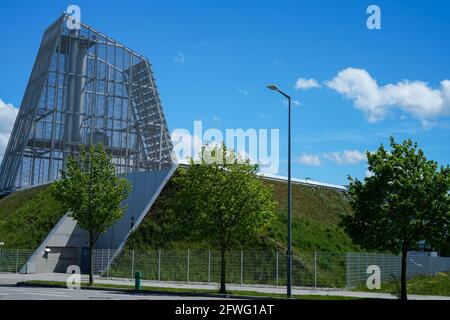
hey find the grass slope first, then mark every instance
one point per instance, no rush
(27, 216)
(315, 223)
(316, 215)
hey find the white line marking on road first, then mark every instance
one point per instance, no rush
(19, 290)
(47, 294)
(33, 290)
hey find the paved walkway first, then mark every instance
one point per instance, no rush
(8, 278)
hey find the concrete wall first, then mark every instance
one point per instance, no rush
(66, 240)
(145, 186)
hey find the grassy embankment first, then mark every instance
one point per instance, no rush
(27, 216)
(316, 217)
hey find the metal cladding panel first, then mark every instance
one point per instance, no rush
(145, 186)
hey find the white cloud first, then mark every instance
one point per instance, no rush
(305, 84)
(369, 173)
(413, 97)
(309, 159)
(217, 119)
(7, 117)
(179, 59)
(346, 157)
(243, 91)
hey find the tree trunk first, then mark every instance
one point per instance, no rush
(403, 294)
(222, 268)
(91, 259)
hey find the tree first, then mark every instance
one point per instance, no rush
(92, 193)
(405, 200)
(221, 199)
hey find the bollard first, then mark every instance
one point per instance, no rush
(137, 280)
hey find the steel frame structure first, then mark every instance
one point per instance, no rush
(85, 88)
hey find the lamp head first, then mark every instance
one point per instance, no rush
(273, 87)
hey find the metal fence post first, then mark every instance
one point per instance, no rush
(277, 269)
(17, 260)
(315, 269)
(209, 266)
(187, 271)
(347, 270)
(159, 265)
(242, 268)
(108, 265)
(132, 264)
(102, 267)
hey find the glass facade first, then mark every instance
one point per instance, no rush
(85, 88)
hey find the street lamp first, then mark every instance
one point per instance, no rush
(289, 244)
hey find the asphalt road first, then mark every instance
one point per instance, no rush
(30, 293)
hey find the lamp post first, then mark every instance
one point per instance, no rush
(289, 244)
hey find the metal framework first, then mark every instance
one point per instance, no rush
(85, 88)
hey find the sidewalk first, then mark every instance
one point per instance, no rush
(9, 278)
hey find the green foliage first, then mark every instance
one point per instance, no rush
(27, 216)
(91, 191)
(405, 200)
(221, 199)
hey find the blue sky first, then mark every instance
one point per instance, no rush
(212, 60)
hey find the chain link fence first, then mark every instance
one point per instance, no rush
(315, 269)
(12, 260)
(390, 266)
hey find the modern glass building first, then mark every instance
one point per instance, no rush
(85, 88)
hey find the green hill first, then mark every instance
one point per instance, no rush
(27, 216)
(315, 223)
(316, 216)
